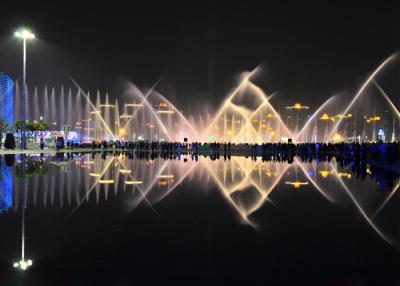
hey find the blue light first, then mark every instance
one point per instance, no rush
(381, 132)
(6, 98)
(6, 188)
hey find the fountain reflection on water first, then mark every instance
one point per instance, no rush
(245, 184)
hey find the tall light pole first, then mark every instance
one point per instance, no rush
(25, 35)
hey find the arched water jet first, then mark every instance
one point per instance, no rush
(361, 90)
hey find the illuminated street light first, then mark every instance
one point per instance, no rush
(25, 35)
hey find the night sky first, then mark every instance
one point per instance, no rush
(308, 51)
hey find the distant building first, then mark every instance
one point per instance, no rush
(6, 98)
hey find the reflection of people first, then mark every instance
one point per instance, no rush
(41, 143)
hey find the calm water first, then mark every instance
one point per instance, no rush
(113, 220)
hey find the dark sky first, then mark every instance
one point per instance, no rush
(308, 50)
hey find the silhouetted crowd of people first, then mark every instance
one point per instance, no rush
(379, 152)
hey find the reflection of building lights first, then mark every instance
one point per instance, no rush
(166, 176)
(163, 104)
(95, 112)
(23, 264)
(296, 184)
(106, 181)
(372, 119)
(346, 175)
(123, 171)
(133, 182)
(165, 111)
(344, 115)
(125, 116)
(106, 105)
(94, 174)
(325, 173)
(133, 105)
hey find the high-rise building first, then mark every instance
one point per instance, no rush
(6, 98)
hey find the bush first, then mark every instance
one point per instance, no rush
(10, 141)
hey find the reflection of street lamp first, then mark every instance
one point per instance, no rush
(23, 264)
(25, 35)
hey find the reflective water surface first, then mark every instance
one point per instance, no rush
(117, 219)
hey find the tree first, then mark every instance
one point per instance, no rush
(3, 128)
(32, 126)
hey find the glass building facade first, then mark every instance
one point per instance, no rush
(6, 98)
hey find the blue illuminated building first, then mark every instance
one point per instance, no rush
(6, 98)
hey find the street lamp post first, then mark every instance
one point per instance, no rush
(25, 35)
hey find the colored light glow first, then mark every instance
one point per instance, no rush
(325, 173)
(165, 111)
(337, 137)
(124, 171)
(133, 182)
(106, 181)
(297, 106)
(162, 183)
(95, 112)
(107, 105)
(296, 184)
(325, 116)
(125, 116)
(166, 176)
(133, 105)
(271, 174)
(346, 175)
(122, 132)
(94, 174)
